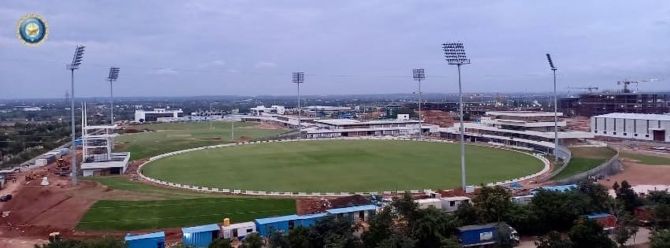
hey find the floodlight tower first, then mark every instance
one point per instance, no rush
(419, 75)
(553, 69)
(299, 78)
(113, 76)
(76, 61)
(454, 53)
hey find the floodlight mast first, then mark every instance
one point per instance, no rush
(454, 53)
(419, 75)
(299, 78)
(553, 69)
(76, 61)
(113, 76)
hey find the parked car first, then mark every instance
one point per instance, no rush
(5, 198)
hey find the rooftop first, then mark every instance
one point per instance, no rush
(352, 209)
(131, 236)
(203, 228)
(477, 227)
(523, 113)
(653, 117)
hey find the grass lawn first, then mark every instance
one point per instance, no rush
(647, 159)
(336, 166)
(584, 159)
(136, 215)
(169, 137)
(123, 183)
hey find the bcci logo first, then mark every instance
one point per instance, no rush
(32, 29)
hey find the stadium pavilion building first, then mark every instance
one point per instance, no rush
(526, 130)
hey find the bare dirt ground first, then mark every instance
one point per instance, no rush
(438, 117)
(637, 174)
(35, 210)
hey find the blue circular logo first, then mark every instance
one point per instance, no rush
(32, 29)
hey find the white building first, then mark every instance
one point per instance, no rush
(654, 127)
(154, 115)
(262, 110)
(526, 130)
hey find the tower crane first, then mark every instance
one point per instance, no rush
(626, 83)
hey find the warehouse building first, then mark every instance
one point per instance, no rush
(153, 115)
(650, 127)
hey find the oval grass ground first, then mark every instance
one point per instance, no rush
(341, 166)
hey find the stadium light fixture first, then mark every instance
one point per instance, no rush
(113, 76)
(419, 75)
(298, 79)
(553, 69)
(76, 61)
(454, 53)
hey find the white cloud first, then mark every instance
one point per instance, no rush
(265, 64)
(165, 71)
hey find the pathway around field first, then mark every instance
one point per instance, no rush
(546, 169)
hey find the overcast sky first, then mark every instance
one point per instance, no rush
(245, 47)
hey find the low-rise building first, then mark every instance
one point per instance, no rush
(651, 127)
(262, 110)
(333, 128)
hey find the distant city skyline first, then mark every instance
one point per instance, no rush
(250, 48)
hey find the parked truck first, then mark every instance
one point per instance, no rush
(487, 235)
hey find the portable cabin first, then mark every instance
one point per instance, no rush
(267, 226)
(354, 214)
(522, 200)
(451, 204)
(607, 221)
(559, 188)
(148, 240)
(200, 236)
(428, 202)
(238, 230)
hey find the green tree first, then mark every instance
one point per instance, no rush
(553, 239)
(660, 239)
(524, 219)
(431, 227)
(558, 210)
(405, 206)
(662, 216)
(299, 237)
(588, 233)
(492, 203)
(627, 197)
(252, 241)
(104, 242)
(467, 214)
(626, 227)
(221, 243)
(278, 240)
(380, 227)
(600, 200)
(659, 197)
(396, 241)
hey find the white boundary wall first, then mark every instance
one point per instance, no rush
(544, 170)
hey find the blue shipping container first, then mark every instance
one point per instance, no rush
(149, 240)
(200, 236)
(477, 234)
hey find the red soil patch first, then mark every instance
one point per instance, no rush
(637, 174)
